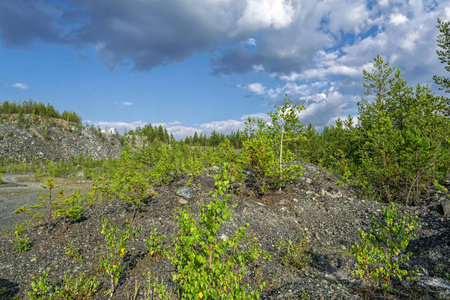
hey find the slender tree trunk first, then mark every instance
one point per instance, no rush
(281, 156)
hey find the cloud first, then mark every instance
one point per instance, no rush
(120, 126)
(256, 88)
(222, 126)
(176, 128)
(256, 116)
(398, 19)
(148, 34)
(260, 14)
(167, 124)
(323, 109)
(126, 103)
(285, 35)
(251, 42)
(22, 86)
(306, 48)
(25, 21)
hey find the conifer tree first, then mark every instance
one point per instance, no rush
(443, 42)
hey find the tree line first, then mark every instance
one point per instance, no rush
(38, 109)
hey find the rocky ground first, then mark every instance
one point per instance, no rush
(63, 140)
(330, 215)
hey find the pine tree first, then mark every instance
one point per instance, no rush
(443, 42)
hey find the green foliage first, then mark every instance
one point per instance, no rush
(42, 290)
(379, 254)
(46, 203)
(37, 109)
(206, 266)
(70, 209)
(3, 291)
(293, 254)
(131, 182)
(77, 288)
(236, 139)
(19, 229)
(286, 124)
(405, 135)
(22, 244)
(400, 145)
(46, 131)
(72, 253)
(443, 42)
(117, 244)
(155, 243)
(73, 288)
(259, 152)
(155, 289)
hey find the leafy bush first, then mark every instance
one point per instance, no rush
(74, 288)
(270, 146)
(70, 209)
(207, 267)
(77, 288)
(379, 254)
(22, 244)
(293, 254)
(117, 244)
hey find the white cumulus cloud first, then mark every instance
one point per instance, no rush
(120, 126)
(256, 88)
(398, 19)
(22, 86)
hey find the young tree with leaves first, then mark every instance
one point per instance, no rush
(286, 124)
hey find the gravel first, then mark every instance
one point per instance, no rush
(62, 142)
(329, 214)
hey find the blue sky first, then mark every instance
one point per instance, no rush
(207, 65)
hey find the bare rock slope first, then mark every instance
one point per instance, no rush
(55, 141)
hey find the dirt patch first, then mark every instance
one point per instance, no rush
(23, 190)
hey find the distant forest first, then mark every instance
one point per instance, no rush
(214, 139)
(38, 109)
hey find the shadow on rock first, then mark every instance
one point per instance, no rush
(8, 289)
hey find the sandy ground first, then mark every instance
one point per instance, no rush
(15, 191)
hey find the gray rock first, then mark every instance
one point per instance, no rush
(446, 207)
(185, 192)
(60, 143)
(436, 282)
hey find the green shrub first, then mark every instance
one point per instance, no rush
(46, 202)
(293, 254)
(74, 288)
(117, 244)
(77, 288)
(379, 254)
(209, 268)
(22, 244)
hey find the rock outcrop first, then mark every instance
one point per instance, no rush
(55, 142)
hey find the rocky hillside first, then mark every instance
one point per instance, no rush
(329, 215)
(54, 140)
